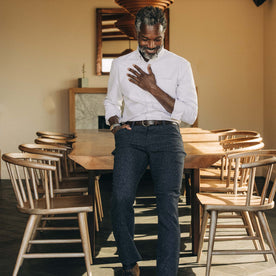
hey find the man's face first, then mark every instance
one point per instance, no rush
(150, 40)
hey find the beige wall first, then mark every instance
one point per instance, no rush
(270, 74)
(44, 44)
(223, 41)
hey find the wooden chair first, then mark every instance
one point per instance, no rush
(61, 185)
(238, 134)
(70, 168)
(218, 170)
(242, 133)
(24, 169)
(213, 178)
(67, 186)
(238, 144)
(55, 141)
(69, 171)
(209, 183)
(223, 130)
(45, 134)
(252, 205)
(230, 141)
(234, 136)
(229, 184)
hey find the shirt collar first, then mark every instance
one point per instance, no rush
(153, 59)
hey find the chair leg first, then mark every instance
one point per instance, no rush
(267, 232)
(95, 205)
(202, 234)
(187, 188)
(98, 199)
(249, 228)
(89, 244)
(32, 222)
(212, 233)
(34, 233)
(85, 242)
(96, 221)
(65, 162)
(256, 189)
(258, 232)
(222, 168)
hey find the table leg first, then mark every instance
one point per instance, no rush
(195, 180)
(91, 216)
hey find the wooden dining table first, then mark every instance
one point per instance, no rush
(92, 150)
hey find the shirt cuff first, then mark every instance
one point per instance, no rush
(108, 116)
(184, 113)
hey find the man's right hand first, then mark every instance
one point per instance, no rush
(115, 120)
(117, 128)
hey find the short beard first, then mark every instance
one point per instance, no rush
(146, 55)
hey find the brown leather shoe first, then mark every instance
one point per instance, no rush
(135, 271)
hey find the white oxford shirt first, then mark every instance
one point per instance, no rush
(173, 75)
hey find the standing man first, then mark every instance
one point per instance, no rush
(158, 91)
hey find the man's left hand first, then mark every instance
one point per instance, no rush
(142, 79)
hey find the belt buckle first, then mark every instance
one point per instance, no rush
(147, 123)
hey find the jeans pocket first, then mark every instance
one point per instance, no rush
(122, 138)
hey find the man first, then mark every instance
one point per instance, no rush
(158, 91)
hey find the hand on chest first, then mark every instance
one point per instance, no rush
(141, 77)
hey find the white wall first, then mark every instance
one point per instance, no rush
(44, 44)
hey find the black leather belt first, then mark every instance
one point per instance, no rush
(150, 123)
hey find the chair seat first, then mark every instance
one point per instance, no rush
(59, 205)
(69, 187)
(217, 185)
(210, 173)
(77, 177)
(72, 186)
(231, 202)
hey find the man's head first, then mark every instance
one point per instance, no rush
(150, 24)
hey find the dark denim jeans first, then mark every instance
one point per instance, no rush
(161, 148)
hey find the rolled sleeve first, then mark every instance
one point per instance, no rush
(113, 100)
(186, 103)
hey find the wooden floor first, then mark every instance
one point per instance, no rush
(106, 262)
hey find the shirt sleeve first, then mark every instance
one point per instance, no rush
(186, 104)
(113, 100)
